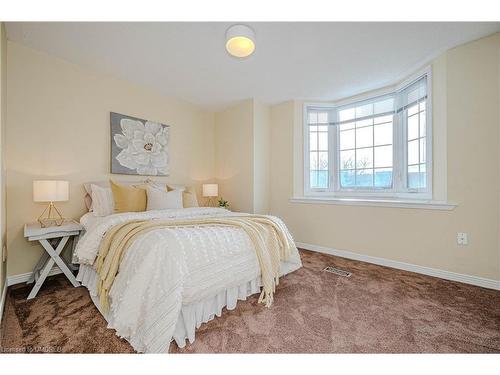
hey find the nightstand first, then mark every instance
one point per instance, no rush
(52, 254)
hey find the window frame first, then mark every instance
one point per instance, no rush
(399, 187)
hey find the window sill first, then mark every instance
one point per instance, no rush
(396, 203)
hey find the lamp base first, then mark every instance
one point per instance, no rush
(50, 220)
(211, 201)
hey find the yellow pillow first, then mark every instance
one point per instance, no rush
(189, 198)
(128, 198)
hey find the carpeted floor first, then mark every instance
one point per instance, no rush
(377, 309)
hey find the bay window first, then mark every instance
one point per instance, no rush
(378, 146)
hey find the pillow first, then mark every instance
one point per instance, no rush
(128, 198)
(102, 201)
(189, 198)
(159, 199)
(104, 184)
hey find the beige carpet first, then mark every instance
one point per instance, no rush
(376, 310)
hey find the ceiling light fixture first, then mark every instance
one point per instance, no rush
(240, 41)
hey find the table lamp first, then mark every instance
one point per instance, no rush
(50, 191)
(210, 191)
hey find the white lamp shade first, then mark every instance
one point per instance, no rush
(210, 190)
(50, 191)
(240, 41)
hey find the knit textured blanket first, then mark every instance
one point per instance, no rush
(271, 240)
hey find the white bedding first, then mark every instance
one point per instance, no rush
(169, 273)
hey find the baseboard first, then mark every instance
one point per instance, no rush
(2, 303)
(23, 277)
(466, 279)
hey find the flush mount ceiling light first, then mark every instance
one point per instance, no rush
(240, 41)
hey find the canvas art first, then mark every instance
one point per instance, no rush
(138, 147)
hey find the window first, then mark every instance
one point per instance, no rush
(376, 147)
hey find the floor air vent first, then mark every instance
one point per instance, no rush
(338, 272)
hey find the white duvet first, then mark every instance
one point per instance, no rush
(167, 269)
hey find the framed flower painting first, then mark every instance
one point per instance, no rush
(138, 147)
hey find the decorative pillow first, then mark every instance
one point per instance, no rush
(105, 184)
(189, 198)
(159, 199)
(128, 198)
(102, 201)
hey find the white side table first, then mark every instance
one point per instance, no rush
(34, 232)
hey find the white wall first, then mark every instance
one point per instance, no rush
(58, 127)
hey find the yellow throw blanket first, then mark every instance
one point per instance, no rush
(270, 238)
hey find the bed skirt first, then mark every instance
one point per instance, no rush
(193, 315)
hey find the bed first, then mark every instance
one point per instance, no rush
(172, 280)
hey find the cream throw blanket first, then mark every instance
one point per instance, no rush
(270, 238)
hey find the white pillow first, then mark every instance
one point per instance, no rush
(103, 203)
(159, 199)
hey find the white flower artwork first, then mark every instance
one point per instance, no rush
(138, 146)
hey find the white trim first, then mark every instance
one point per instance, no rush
(2, 301)
(399, 189)
(396, 203)
(447, 275)
(23, 277)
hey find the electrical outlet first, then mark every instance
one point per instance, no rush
(462, 239)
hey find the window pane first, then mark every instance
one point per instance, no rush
(346, 114)
(364, 158)
(313, 178)
(383, 156)
(413, 127)
(347, 125)
(383, 178)
(347, 159)
(413, 177)
(364, 137)
(313, 160)
(322, 179)
(347, 179)
(383, 134)
(347, 139)
(413, 109)
(366, 122)
(413, 152)
(364, 177)
(384, 106)
(313, 141)
(323, 160)
(382, 119)
(422, 124)
(323, 141)
(417, 176)
(364, 110)
(423, 177)
(313, 117)
(319, 179)
(422, 150)
(323, 117)
(422, 106)
(323, 128)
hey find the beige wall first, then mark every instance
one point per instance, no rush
(466, 118)
(58, 127)
(261, 157)
(234, 155)
(65, 134)
(3, 113)
(242, 155)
